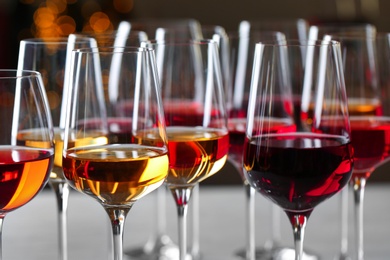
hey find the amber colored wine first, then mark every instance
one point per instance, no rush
(370, 137)
(364, 107)
(24, 171)
(298, 171)
(116, 174)
(56, 173)
(195, 154)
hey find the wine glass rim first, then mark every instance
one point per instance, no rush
(18, 73)
(181, 42)
(54, 40)
(300, 43)
(113, 49)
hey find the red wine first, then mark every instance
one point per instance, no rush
(371, 141)
(299, 170)
(237, 128)
(188, 113)
(24, 171)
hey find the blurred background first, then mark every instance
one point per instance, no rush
(21, 19)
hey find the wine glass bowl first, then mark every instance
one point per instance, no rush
(51, 57)
(115, 145)
(196, 118)
(26, 139)
(310, 158)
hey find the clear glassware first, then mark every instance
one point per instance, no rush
(26, 139)
(343, 29)
(368, 117)
(242, 46)
(193, 97)
(282, 151)
(114, 108)
(291, 29)
(51, 57)
(160, 245)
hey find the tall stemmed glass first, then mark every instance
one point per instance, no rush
(159, 244)
(296, 29)
(196, 118)
(111, 158)
(298, 164)
(369, 121)
(51, 57)
(242, 47)
(362, 30)
(26, 139)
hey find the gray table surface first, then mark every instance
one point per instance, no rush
(30, 232)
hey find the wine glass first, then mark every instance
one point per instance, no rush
(298, 163)
(196, 118)
(26, 139)
(160, 245)
(242, 46)
(369, 119)
(344, 29)
(296, 29)
(115, 147)
(51, 57)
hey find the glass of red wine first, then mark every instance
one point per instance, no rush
(352, 76)
(242, 46)
(196, 118)
(115, 145)
(51, 57)
(298, 162)
(26, 139)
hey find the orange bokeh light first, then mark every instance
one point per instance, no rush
(123, 6)
(66, 24)
(99, 22)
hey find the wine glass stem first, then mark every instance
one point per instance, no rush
(1, 235)
(117, 217)
(195, 251)
(344, 220)
(61, 190)
(182, 196)
(299, 223)
(250, 222)
(358, 191)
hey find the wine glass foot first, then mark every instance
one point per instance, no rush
(286, 253)
(161, 248)
(277, 253)
(343, 256)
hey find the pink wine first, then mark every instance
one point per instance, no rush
(371, 141)
(298, 170)
(188, 113)
(24, 171)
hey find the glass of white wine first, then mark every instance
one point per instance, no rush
(114, 104)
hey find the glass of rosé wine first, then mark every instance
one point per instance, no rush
(115, 144)
(353, 78)
(369, 115)
(298, 162)
(196, 118)
(26, 139)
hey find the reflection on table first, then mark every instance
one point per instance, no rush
(31, 231)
